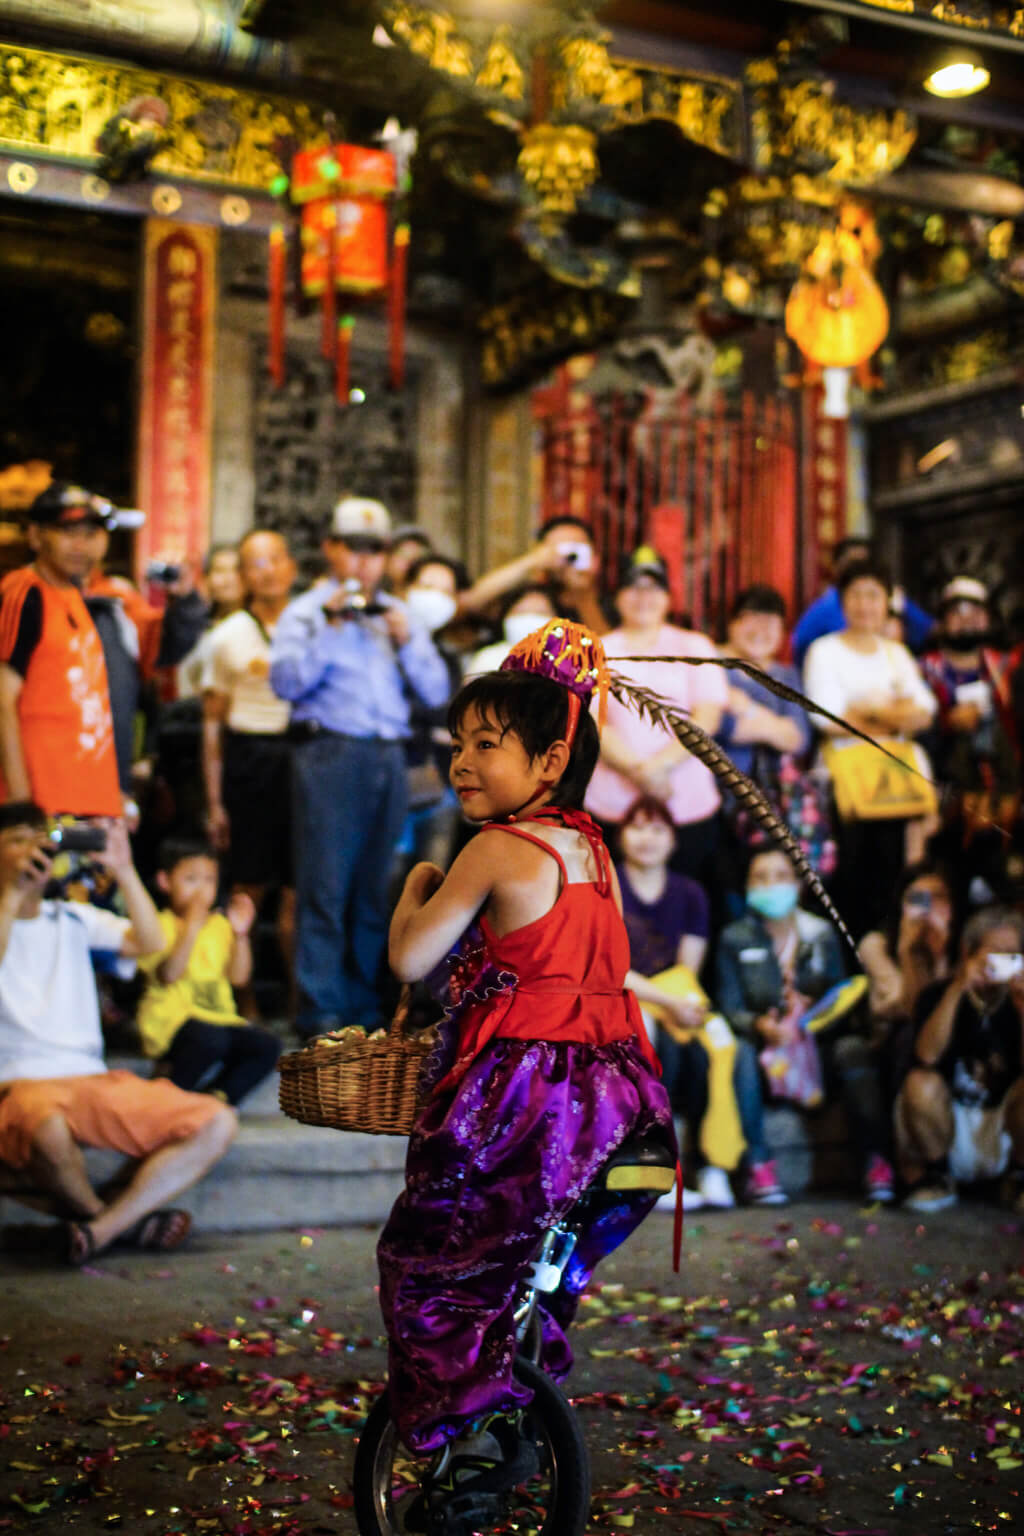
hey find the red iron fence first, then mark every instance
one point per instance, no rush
(716, 492)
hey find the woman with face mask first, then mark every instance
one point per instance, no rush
(772, 966)
(526, 609)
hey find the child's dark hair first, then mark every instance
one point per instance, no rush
(22, 813)
(537, 711)
(175, 850)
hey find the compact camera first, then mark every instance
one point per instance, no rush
(163, 573)
(577, 555)
(356, 605)
(918, 901)
(1003, 968)
(78, 837)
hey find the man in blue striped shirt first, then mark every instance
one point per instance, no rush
(348, 657)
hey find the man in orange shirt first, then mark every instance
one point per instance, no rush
(56, 732)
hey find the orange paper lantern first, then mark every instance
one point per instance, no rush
(838, 324)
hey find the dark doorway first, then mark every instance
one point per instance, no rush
(68, 285)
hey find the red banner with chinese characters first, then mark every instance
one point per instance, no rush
(824, 477)
(176, 418)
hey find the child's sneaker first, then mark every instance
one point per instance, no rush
(934, 1194)
(692, 1201)
(879, 1181)
(463, 1491)
(715, 1189)
(763, 1187)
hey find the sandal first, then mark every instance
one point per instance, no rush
(79, 1243)
(161, 1231)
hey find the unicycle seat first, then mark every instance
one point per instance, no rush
(640, 1163)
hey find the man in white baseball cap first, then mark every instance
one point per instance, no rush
(346, 655)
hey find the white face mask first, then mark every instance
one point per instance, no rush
(429, 607)
(518, 625)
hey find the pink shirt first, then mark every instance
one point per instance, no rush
(694, 788)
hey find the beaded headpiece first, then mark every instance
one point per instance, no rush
(567, 653)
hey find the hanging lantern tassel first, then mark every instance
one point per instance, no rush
(396, 305)
(329, 310)
(341, 360)
(278, 256)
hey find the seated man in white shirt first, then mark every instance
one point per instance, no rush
(56, 1094)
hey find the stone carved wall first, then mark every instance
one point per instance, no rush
(307, 452)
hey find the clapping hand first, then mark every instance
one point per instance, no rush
(240, 913)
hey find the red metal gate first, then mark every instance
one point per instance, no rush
(714, 491)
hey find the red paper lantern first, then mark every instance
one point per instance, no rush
(342, 192)
(360, 228)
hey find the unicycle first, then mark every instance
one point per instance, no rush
(555, 1500)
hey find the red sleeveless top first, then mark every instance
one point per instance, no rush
(569, 965)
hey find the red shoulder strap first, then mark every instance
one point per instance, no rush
(529, 837)
(580, 821)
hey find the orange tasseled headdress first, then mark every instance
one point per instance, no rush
(567, 653)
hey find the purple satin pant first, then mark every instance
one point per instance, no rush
(490, 1167)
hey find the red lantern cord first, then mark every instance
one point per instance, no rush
(277, 259)
(396, 305)
(341, 361)
(329, 310)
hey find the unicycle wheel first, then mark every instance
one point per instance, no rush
(553, 1502)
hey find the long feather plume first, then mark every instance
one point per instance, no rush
(784, 691)
(662, 713)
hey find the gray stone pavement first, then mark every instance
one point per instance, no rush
(822, 1368)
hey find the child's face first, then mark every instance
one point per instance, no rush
(491, 772)
(647, 841)
(191, 880)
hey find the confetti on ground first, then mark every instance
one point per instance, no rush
(854, 1374)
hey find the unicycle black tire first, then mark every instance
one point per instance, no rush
(570, 1510)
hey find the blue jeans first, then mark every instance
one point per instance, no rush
(349, 802)
(746, 1082)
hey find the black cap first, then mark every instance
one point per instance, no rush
(64, 505)
(644, 561)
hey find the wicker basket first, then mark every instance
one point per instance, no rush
(362, 1083)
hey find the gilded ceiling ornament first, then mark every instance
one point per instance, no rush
(165, 200)
(433, 36)
(502, 71)
(558, 162)
(56, 105)
(799, 122)
(588, 77)
(21, 177)
(235, 210)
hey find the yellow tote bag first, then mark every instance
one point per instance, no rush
(720, 1135)
(870, 787)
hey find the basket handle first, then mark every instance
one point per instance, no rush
(396, 1029)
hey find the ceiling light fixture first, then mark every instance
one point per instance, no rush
(957, 74)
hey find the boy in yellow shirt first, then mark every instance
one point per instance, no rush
(188, 1014)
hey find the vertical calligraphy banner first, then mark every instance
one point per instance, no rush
(824, 478)
(176, 418)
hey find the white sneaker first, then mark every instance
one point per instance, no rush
(715, 1189)
(692, 1201)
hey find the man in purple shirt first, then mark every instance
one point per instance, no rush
(347, 656)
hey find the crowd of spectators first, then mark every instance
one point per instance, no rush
(280, 758)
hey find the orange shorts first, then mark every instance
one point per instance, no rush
(116, 1110)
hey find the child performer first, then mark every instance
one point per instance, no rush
(552, 1070)
(188, 1014)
